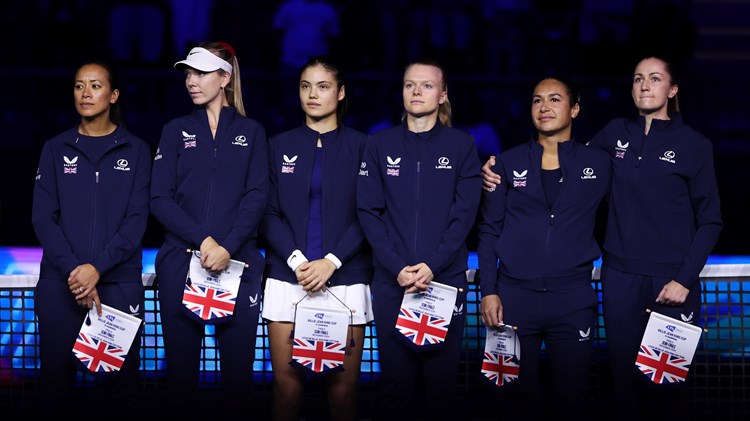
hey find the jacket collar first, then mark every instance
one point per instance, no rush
(313, 135)
(675, 120)
(119, 136)
(423, 136)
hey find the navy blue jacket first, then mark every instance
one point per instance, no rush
(664, 214)
(202, 187)
(417, 199)
(91, 209)
(284, 227)
(538, 247)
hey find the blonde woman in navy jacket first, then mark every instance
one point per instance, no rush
(316, 248)
(537, 249)
(209, 187)
(664, 220)
(417, 199)
(90, 212)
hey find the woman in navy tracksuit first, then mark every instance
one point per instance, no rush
(539, 223)
(90, 212)
(664, 220)
(209, 187)
(417, 198)
(317, 253)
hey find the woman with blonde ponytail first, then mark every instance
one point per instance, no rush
(209, 187)
(417, 198)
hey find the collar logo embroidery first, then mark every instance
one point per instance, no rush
(519, 178)
(189, 140)
(122, 165)
(669, 157)
(620, 149)
(287, 167)
(70, 166)
(443, 163)
(393, 166)
(588, 174)
(240, 140)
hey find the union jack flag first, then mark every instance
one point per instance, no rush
(190, 144)
(421, 328)
(98, 356)
(501, 369)
(660, 366)
(519, 183)
(318, 356)
(392, 171)
(620, 154)
(207, 303)
(70, 170)
(287, 169)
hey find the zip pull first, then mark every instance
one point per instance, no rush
(97, 177)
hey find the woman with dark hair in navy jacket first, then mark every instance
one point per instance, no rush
(539, 225)
(208, 190)
(664, 220)
(417, 198)
(90, 212)
(317, 253)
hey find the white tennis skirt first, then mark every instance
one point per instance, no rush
(280, 298)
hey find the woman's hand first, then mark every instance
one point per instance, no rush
(313, 276)
(82, 280)
(492, 310)
(421, 277)
(672, 294)
(214, 257)
(490, 179)
(92, 300)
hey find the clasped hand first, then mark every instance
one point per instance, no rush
(313, 276)
(214, 257)
(415, 278)
(82, 283)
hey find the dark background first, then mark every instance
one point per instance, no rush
(493, 52)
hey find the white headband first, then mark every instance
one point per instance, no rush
(201, 59)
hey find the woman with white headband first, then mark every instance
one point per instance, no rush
(209, 185)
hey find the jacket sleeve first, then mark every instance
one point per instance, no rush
(274, 228)
(45, 215)
(129, 235)
(599, 140)
(354, 237)
(489, 228)
(164, 206)
(463, 211)
(371, 209)
(253, 204)
(351, 242)
(704, 196)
